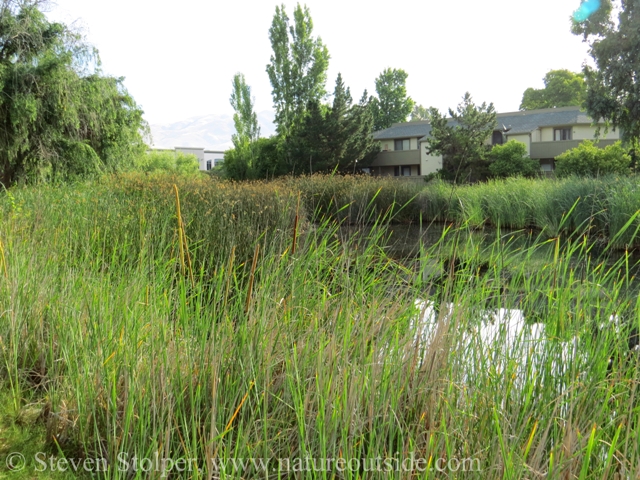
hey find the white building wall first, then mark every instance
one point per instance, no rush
(587, 132)
(429, 163)
(215, 157)
(524, 138)
(546, 134)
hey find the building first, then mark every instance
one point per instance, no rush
(207, 158)
(547, 133)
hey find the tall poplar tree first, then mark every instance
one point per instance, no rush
(298, 67)
(392, 104)
(240, 162)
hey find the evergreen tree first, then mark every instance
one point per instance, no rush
(339, 137)
(461, 140)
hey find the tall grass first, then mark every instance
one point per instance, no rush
(316, 351)
(599, 207)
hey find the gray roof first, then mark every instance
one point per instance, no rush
(520, 122)
(403, 130)
(527, 122)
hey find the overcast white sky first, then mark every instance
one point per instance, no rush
(179, 57)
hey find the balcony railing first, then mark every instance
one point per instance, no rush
(397, 158)
(553, 149)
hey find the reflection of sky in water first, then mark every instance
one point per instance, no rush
(587, 8)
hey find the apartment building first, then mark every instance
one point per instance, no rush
(547, 133)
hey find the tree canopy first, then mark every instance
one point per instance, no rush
(613, 86)
(339, 136)
(298, 67)
(60, 118)
(392, 103)
(242, 161)
(461, 139)
(562, 88)
(419, 113)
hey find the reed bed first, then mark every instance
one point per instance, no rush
(281, 340)
(599, 207)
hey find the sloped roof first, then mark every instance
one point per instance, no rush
(520, 122)
(526, 122)
(403, 130)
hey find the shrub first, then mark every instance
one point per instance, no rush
(511, 160)
(589, 160)
(169, 161)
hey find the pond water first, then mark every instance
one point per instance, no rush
(507, 344)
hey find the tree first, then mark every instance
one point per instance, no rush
(268, 163)
(298, 67)
(167, 161)
(511, 160)
(247, 128)
(419, 113)
(339, 136)
(589, 160)
(59, 117)
(461, 139)
(392, 104)
(613, 86)
(562, 88)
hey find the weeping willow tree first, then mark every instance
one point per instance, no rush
(60, 118)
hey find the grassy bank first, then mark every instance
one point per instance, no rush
(259, 335)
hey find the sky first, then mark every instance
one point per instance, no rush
(179, 57)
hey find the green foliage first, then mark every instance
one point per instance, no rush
(612, 86)
(243, 156)
(298, 67)
(269, 161)
(562, 88)
(392, 103)
(419, 113)
(460, 140)
(244, 118)
(512, 160)
(60, 118)
(338, 137)
(168, 161)
(588, 159)
(297, 341)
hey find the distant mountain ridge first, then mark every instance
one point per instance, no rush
(212, 132)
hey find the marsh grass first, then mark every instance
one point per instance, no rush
(279, 353)
(599, 207)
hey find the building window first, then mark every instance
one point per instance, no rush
(401, 144)
(561, 134)
(218, 161)
(208, 164)
(496, 138)
(402, 171)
